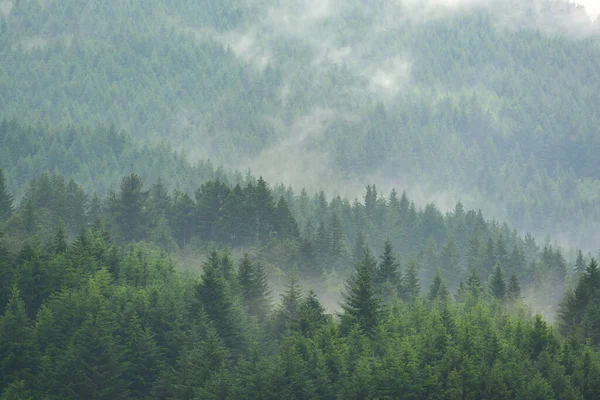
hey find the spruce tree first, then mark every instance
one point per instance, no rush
(498, 283)
(360, 245)
(438, 288)
(361, 303)
(254, 287)
(580, 263)
(214, 296)
(514, 290)
(17, 350)
(6, 200)
(411, 287)
(287, 313)
(311, 314)
(387, 272)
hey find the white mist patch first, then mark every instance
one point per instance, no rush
(390, 76)
(248, 46)
(294, 159)
(5, 8)
(34, 43)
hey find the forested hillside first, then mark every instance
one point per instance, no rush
(95, 307)
(299, 199)
(489, 102)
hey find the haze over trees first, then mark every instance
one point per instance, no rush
(299, 199)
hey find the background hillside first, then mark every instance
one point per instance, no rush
(489, 102)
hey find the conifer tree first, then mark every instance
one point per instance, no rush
(17, 351)
(361, 303)
(287, 312)
(438, 288)
(514, 289)
(580, 263)
(411, 287)
(498, 283)
(214, 296)
(337, 247)
(253, 284)
(6, 200)
(387, 272)
(360, 245)
(284, 223)
(311, 314)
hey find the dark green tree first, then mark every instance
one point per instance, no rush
(388, 278)
(514, 289)
(438, 288)
(254, 287)
(361, 304)
(498, 283)
(6, 200)
(411, 287)
(213, 294)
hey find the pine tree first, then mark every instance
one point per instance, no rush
(17, 351)
(411, 287)
(497, 283)
(473, 285)
(6, 200)
(580, 263)
(59, 244)
(387, 272)
(337, 247)
(254, 287)
(311, 314)
(213, 294)
(438, 288)
(449, 261)
(129, 209)
(287, 312)
(359, 248)
(361, 303)
(514, 290)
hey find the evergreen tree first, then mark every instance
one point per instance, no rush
(253, 284)
(6, 200)
(360, 245)
(337, 247)
(129, 209)
(450, 260)
(580, 263)
(498, 283)
(411, 287)
(388, 273)
(438, 288)
(214, 296)
(514, 289)
(311, 314)
(287, 312)
(17, 351)
(361, 304)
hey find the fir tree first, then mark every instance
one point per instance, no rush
(255, 291)
(514, 290)
(411, 287)
(287, 312)
(580, 263)
(387, 272)
(438, 288)
(498, 283)
(361, 303)
(6, 200)
(311, 314)
(213, 294)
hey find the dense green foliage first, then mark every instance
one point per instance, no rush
(133, 268)
(90, 318)
(103, 312)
